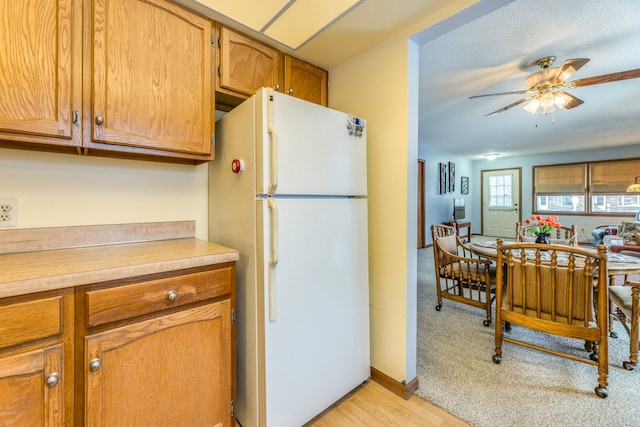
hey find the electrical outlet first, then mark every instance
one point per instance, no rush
(8, 213)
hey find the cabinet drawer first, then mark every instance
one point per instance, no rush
(29, 321)
(126, 301)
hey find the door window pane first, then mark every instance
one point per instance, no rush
(500, 196)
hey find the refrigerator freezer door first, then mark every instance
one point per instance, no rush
(306, 148)
(317, 319)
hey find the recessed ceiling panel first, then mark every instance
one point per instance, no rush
(305, 18)
(253, 14)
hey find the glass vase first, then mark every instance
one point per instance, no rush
(542, 238)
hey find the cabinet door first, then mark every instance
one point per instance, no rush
(150, 76)
(174, 370)
(305, 81)
(31, 389)
(40, 51)
(246, 65)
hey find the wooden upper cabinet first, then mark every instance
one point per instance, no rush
(305, 81)
(148, 82)
(246, 65)
(40, 71)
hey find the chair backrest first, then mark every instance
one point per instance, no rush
(551, 282)
(444, 240)
(560, 236)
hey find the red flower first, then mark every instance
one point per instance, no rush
(542, 225)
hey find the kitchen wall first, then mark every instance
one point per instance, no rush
(65, 189)
(381, 85)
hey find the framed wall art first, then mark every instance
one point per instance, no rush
(443, 178)
(464, 185)
(452, 177)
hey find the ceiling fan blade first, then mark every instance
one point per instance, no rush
(567, 69)
(501, 93)
(570, 101)
(518, 102)
(606, 78)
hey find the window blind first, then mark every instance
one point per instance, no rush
(564, 179)
(613, 177)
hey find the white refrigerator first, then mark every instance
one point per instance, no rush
(288, 189)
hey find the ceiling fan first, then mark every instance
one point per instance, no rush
(545, 87)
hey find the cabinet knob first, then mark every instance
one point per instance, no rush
(53, 379)
(95, 364)
(277, 87)
(290, 91)
(99, 120)
(172, 295)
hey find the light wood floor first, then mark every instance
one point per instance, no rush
(372, 405)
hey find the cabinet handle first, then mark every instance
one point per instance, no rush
(53, 379)
(95, 364)
(99, 120)
(290, 91)
(277, 87)
(172, 295)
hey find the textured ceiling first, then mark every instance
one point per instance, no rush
(496, 52)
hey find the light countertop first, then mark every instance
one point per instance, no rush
(42, 270)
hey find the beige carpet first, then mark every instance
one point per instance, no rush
(529, 388)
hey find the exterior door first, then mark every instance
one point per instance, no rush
(501, 202)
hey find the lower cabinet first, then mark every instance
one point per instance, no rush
(174, 370)
(36, 359)
(156, 350)
(31, 389)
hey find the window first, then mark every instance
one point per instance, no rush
(500, 197)
(586, 188)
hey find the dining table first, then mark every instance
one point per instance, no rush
(617, 264)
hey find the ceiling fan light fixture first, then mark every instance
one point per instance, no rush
(533, 105)
(561, 99)
(547, 102)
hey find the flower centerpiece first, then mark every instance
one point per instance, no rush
(542, 227)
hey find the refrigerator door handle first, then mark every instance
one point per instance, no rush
(271, 287)
(274, 149)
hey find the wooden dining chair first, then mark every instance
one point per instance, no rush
(625, 307)
(551, 289)
(560, 236)
(460, 275)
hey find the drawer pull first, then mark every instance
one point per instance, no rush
(99, 120)
(52, 380)
(172, 295)
(95, 364)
